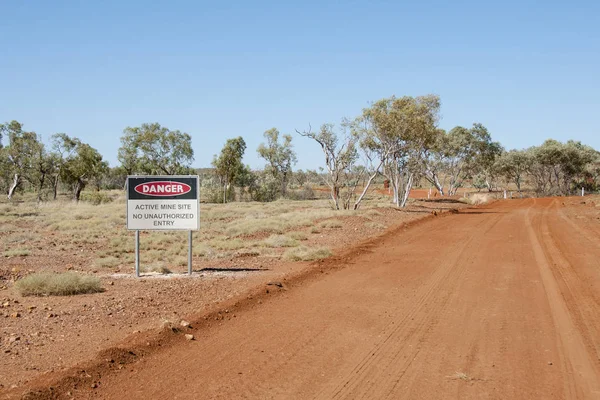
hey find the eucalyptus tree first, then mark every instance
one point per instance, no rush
(514, 165)
(469, 152)
(279, 155)
(43, 164)
(19, 154)
(556, 167)
(486, 153)
(83, 165)
(435, 161)
(400, 131)
(228, 165)
(340, 151)
(63, 147)
(153, 149)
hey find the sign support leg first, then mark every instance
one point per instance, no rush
(137, 253)
(190, 253)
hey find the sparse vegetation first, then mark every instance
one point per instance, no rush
(298, 235)
(307, 254)
(375, 225)
(107, 262)
(156, 268)
(17, 253)
(331, 224)
(280, 241)
(57, 284)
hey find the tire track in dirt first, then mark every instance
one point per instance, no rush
(558, 277)
(571, 269)
(403, 340)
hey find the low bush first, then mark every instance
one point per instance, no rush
(57, 284)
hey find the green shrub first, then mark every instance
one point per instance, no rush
(57, 284)
(96, 198)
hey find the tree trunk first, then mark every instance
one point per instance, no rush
(407, 190)
(396, 187)
(77, 192)
(40, 188)
(364, 192)
(335, 196)
(434, 180)
(14, 185)
(284, 179)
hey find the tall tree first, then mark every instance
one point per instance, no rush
(435, 161)
(400, 130)
(42, 165)
(83, 165)
(487, 151)
(19, 153)
(63, 148)
(340, 157)
(279, 155)
(513, 165)
(153, 149)
(228, 165)
(468, 152)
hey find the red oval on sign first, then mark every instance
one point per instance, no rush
(163, 188)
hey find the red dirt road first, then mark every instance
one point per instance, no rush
(498, 302)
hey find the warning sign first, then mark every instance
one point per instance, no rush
(163, 203)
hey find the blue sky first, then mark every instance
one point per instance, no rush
(527, 70)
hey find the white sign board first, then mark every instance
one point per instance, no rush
(163, 203)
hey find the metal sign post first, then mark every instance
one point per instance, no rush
(163, 203)
(190, 247)
(137, 253)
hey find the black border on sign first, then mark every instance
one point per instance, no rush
(192, 180)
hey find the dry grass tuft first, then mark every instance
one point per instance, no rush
(375, 225)
(154, 268)
(297, 235)
(17, 253)
(477, 198)
(280, 241)
(307, 254)
(55, 284)
(331, 224)
(107, 262)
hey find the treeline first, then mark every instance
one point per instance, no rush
(396, 139)
(399, 139)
